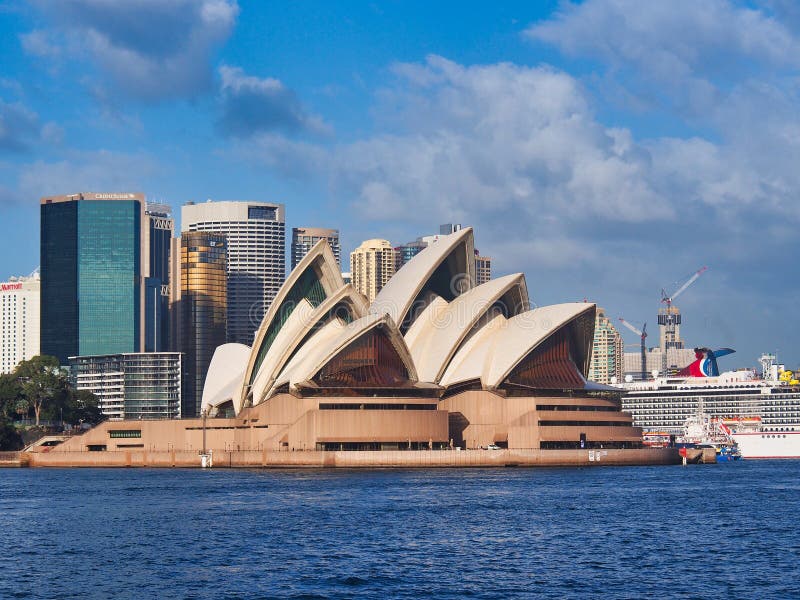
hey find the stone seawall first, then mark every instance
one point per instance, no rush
(371, 459)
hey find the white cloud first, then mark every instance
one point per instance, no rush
(683, 55)
(148, 49)
(517, 152)
(251, 105)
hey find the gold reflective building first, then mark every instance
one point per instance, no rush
(202, 308)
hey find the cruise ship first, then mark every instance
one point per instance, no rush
(762, 413)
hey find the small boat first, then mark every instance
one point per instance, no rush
(702, 431)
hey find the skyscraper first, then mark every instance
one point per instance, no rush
(203, 308)
(158, 231)
(256, 263)
(371, 266)
(304, 238)
(19, 321)
(91, 274)
(608, 356)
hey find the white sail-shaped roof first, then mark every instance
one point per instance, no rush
(224, 377)
(315, 278)
(499, 346)
(437, 334)
(473, 360)
(525, 332)
(289, 335)
(346, 300)
(332, 339)
(452, 259)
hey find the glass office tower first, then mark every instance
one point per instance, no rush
(203, 307)
(91, 274)
(158, 231)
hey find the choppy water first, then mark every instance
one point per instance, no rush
(698, 531)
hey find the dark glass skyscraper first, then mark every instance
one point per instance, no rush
(158, 230)
(91, 273)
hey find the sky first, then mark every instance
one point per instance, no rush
(606, 148)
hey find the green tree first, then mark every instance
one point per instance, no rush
(41, 381)
(73, 406)
(10, 395)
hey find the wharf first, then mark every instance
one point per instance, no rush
(357, 459)
(697, 456)
(14, 459)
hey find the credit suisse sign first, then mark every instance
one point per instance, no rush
(112, 196)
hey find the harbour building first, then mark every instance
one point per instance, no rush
(304, 238)
(607, 351)
(132, 386)
(19, 320)
(203, 309)
(255, 234)
(372, 264)
(92, 258)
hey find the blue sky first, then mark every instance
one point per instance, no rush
(606, 148)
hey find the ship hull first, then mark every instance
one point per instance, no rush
(758, 444)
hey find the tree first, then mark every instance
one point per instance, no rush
(10, 395)
(73, 406)
(41, 380)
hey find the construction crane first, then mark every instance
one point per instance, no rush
(665, 299)
(643, 336)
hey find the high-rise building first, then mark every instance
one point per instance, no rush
(406, 252)
(19, 321)
(371, 266)
(132, 386)
(256, 262)
(304, 238)
(92, 258)
(483, 268)
(608, 357)
(158, 231)
(203, 309)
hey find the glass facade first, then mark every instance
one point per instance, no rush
(203, 309)
(91, 276)
(59, 272)
(160, 228)
(109, 274)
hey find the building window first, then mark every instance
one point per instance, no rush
(125, 433)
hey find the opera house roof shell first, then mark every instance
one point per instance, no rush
(430, 330)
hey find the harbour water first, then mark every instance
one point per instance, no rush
(616, 532)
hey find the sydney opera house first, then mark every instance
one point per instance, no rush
(434, 363)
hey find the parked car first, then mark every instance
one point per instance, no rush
(493, 447)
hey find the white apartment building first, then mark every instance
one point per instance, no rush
(19, 323)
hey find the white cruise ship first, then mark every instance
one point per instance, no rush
(763, 415)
